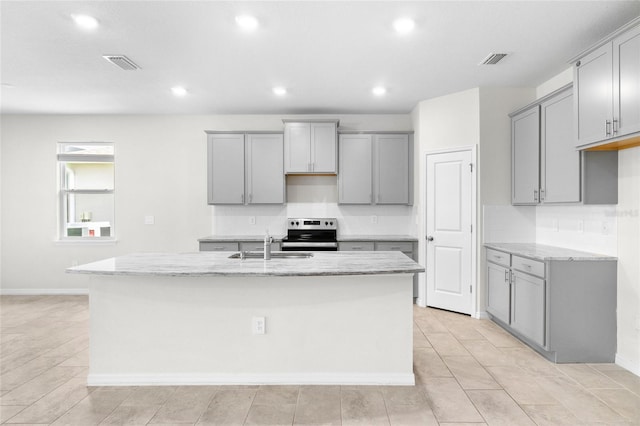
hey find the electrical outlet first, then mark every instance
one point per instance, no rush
(149, 220)
(374, 219)
(258, 325)
(252, 220)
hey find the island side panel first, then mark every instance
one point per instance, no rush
(198, 330)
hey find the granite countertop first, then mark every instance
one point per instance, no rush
(219, 264)
(241, 238)
(544, 252)
(377, 238)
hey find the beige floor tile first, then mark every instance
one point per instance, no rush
(449, 402)
(622, 401)
(318, 405)
(532, 362)
(36, 388)
(271, 414)
(419, 341)
(463, 424)
(411, 415)
(625, 378)
(228, 407)
(445, 344)
(276, 395)
(131, 415)
(521, 385)
(363, 406)
(464, 332)
(9, 411)
(498, 408)
(404, 395)
(149, 395)
(499, 338)
(20, 375)
(430, 325)
(81, 359)
(582, 404)
(487, 354)
(55, 403)
(428, 364)
(470, 374)
(551, 415)
(185, 405)
(93, 409)
(588, 377)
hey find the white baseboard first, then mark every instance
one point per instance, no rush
(44, 291)
(421, 302)
(633, 366)
(481, 315)
(249, 379)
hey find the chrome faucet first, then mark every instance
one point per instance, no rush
(267, 246)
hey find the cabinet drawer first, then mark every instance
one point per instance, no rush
(257, 246)
(529, 266)
(355, 246)
(403, 246)
(498, 257)
(218, 246)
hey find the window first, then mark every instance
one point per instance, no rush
(86, 190)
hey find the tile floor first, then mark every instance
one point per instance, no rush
(468, 372)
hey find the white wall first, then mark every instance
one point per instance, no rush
(628, 216)
(160, 171)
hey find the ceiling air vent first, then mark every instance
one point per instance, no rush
(493, 59)
(122, 61)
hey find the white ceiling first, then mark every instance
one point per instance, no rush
(327, 54)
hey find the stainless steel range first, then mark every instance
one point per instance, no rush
(311, 234)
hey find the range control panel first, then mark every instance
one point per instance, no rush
(312, 223)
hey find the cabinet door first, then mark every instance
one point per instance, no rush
(560, 165)
(498, 291)
(354, 179)
(593, 79)
(323, 147)
(297, 148)
(392, 169)
(265, 171)
(626, 83)
(355, 246)
(525, 157)
(528, 306)
(225, 169)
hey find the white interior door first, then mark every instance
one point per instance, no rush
(449, 230)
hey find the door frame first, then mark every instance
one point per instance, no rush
(422, 285)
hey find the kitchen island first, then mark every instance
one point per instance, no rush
(194, 318)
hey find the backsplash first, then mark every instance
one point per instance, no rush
(589, 228)
(312, 196)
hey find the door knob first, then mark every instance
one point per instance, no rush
(429, 238)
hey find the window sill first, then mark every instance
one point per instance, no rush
(86, 242)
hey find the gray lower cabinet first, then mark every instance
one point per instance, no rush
(245, 168)
(218, 246)
(239, 245)
(375, 168)
(356, 246)
(563, 308)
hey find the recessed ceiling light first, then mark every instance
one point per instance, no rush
(247, 22)
(404, 25)
(379, 90)
(179, 91)
(280, 91)
(85, 22)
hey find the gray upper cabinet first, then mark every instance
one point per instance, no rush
(245, 168)
(547, 168)
(355, 177)
(310, 147)
(525, 155)
(375, 168)
(393, 169)
(606, 107)
(225, 168)
(560, 162)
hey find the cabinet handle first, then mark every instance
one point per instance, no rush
(542, 194)
(607, 127)
(615, 126)
(535, 195)
(394, 248)
(313, 166)
(356, 247)
(506, 276)
(371, 198)
(242, 198)
(250, 198)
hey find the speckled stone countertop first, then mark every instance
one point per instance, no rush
(544, 252)
(240, 238)
(219, 264)
(377, 238)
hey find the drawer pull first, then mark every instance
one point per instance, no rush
(395, 248)
(506, 276)
(218, 248)
(357, 247)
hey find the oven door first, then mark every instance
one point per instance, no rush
(309, 246)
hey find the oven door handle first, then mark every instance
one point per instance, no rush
(309, 244)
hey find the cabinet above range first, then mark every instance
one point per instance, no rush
(310, 146)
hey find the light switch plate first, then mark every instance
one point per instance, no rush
(149, 220)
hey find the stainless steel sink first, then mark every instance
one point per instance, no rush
(274, 255)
